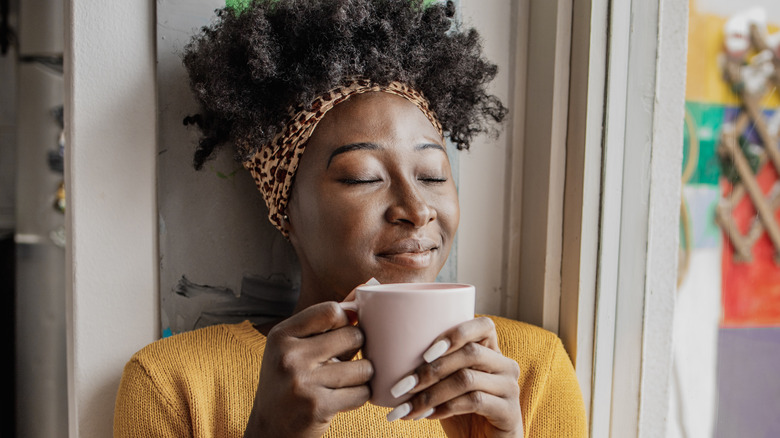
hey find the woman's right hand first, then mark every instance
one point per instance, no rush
(307, 375)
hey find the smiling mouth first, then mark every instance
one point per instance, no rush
(411, 253)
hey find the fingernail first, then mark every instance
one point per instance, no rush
(399, 412)
(426, 414)
(436, 350)
(372, 282)
(404, 385)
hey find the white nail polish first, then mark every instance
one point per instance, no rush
(426, 414)
(404, 385)
(436, 350)
(399, 412)
(372, 282)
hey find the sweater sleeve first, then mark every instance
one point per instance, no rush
(142, 409)
(560, 410)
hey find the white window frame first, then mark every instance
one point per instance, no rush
(595, 260)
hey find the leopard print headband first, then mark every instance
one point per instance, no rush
(274, 165)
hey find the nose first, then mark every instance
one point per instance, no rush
(409, 206)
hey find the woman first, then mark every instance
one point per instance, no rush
(338, 109)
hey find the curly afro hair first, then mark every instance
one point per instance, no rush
(251, 66)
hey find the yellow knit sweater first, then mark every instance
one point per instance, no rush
(202, 384)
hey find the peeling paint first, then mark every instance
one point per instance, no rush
(261, 299)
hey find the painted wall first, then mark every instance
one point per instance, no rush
(483, 175)
(217, 249)
(724, 378)
(110, 122)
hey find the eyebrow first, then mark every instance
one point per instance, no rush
(373, 146)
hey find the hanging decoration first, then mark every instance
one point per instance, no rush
(749, 143)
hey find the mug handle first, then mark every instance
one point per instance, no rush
(352, 305)
(349, 305)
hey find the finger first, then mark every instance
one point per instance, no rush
(350, 308)
(336, 375)
(472, 355)
(481, 330)
(462, 382)
(340, 343)
(347, 399)
(313, 320)
(498, 411)
(351, 296)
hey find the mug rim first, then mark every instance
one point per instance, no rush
(416, 287)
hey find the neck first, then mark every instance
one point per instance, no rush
(314, 292)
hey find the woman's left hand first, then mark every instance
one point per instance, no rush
(467, 384)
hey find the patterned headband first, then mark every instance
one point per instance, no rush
(274, 165)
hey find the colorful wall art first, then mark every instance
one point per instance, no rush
(727, 322)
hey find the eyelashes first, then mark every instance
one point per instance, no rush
(433, 179)
(357, 181)
(360, 181)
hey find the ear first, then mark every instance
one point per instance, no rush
(289, 212)
(289, 229)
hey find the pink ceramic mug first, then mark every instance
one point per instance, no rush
(401, 321)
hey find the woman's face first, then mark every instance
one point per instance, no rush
(373, 197)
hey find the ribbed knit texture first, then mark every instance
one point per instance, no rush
(202, 384)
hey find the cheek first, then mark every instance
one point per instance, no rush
(358, 222)
(448, 208)
(344, 222)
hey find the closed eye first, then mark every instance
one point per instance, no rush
(432, 179)
(356, 181)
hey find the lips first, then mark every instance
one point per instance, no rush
(410, 253)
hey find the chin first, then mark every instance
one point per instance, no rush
(407, 276)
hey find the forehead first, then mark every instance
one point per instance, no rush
(376, 117)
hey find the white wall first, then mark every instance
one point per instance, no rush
(693, 392)
(483, 174)
(213, 225)
(110, 111)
